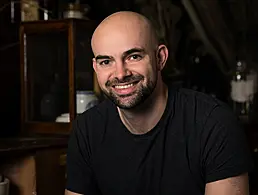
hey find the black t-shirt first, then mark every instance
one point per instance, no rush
(196, 141)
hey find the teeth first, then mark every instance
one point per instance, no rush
(123, 86)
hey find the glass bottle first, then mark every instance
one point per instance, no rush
(243, 88)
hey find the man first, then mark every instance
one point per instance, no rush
(151, 139)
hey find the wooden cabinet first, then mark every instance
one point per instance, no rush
(56, 63)
(51, 171)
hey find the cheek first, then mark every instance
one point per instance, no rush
(144, 68)
(102, 77)
(150, 74)
(150, 70)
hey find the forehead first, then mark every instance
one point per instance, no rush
(114, 42)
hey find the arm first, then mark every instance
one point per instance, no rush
(226, 159)
(234, 186)
(79, 170)
(67, 192)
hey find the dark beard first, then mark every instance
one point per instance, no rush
(140, 95)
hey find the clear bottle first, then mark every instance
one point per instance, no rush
(243, 86)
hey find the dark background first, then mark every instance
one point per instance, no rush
(228, 25)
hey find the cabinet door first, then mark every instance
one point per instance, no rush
(51, 171)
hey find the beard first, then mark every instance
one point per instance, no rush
(135, 98)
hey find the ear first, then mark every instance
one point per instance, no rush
(162, 56)
(94, 64)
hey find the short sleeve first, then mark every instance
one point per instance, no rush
(79, 171)
(225, 150)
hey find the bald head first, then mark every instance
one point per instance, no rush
(123, 26)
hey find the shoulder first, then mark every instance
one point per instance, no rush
(198, 104)
(209, 114)
(97, 112)
(94, 118)
(189, 95)
(202, 110)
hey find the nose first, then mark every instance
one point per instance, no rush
(121, 71)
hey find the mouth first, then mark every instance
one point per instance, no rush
(123, 86)
(126, 88)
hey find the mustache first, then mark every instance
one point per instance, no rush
(126, 79)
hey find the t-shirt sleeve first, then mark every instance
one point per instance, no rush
(80, 177)
(225, 149)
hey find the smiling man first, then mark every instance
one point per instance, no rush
(126, 59)
(148, 138)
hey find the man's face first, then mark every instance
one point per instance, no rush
(126, 66)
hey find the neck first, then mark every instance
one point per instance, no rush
(142, 119)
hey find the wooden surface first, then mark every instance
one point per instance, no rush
(30, 144)
(48, 127)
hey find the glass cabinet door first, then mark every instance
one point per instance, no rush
(46, 76)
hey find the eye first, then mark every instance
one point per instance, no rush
(135, 57)
(104, 62)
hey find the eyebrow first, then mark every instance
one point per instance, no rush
(133, 50)
(126, 53)
(99, 57)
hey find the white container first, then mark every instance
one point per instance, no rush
(85, 100)
(73, 14)
(73, 11)
(63, 118)
(4, 187)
